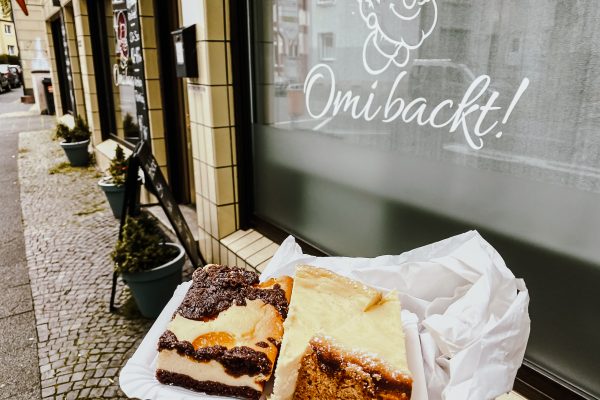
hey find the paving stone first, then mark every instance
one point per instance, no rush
(49, 391)
(72, 395)
(65, 387)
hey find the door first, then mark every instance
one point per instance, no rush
(177, 139)
(63, 70)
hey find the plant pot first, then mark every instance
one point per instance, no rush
(115, 194)
(153, 289)
(77, 153)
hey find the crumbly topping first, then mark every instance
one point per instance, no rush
(215, 288)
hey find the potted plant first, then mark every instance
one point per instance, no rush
(148, 264)
(113, 184)
(75, 141)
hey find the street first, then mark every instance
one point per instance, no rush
(18, 340)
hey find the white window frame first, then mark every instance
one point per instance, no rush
(11, 50)
(8, 29)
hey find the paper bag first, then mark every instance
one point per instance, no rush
(473, 322)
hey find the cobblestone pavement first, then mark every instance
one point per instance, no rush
(19, 371)
(69, 233)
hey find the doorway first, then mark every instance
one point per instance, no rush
(63, 70)
(177, 134)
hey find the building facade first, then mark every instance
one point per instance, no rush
(8, 39)
(31, 38)
(364, 131)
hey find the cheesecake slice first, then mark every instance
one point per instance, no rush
(224, 337)
(341, 334)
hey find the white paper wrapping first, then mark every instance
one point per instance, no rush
(471, 311)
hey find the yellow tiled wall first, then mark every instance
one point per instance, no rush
(212, 121)
(86, 68)
(153, 92)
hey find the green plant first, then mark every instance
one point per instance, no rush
(79, 133)
(142, 246)
(62, 132)
(118, 167)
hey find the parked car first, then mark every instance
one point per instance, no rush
(18, 81)
(12, 74)
(18, 67)
(4, 84)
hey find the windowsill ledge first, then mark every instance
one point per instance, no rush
(247, 248)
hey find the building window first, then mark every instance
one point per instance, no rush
(8, 29)
(11, 50)
(370, 154)
(118, 47)
(326, 46)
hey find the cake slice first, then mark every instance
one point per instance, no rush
(224, 337)
(341, 332)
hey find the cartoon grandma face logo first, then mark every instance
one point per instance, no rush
(397, 28)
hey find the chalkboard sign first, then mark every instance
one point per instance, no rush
(155, 182)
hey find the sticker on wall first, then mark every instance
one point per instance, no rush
(396, 30)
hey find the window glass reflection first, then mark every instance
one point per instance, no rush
(536, 64)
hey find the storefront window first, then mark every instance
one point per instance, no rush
(119, 61)
(382, 125)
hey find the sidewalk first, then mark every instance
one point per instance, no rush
(69, 234)
(19, 372)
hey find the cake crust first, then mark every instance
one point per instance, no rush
(209, 387)
(329, 372)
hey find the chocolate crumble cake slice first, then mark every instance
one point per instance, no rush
(224, 337)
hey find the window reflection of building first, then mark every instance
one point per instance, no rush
(474, 37)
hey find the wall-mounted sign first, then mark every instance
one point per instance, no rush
(186, 59)
(396, 32)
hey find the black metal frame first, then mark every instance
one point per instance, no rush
(532, 381)
(242, 96)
